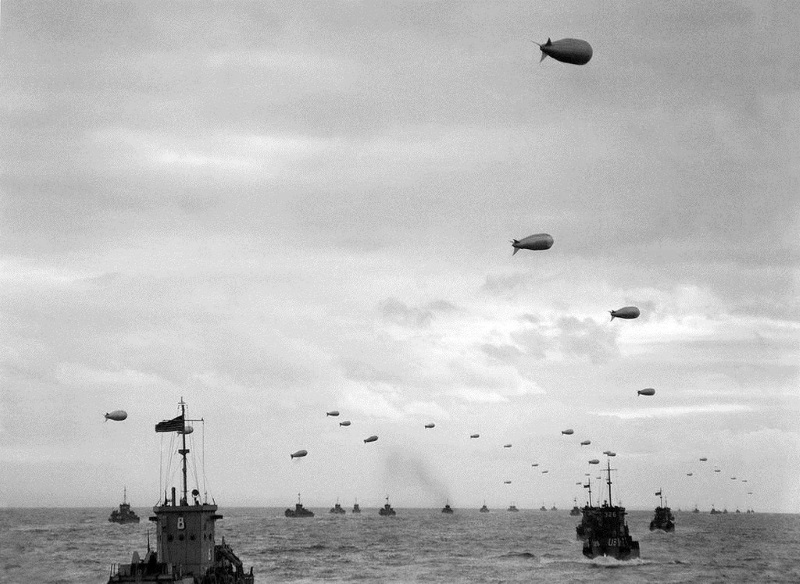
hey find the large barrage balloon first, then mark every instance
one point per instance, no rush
(573, 51)
(430, 425)
(345, 423)
(370, 439)
(628, 312)
(536, 242)
(646, 391)
(298, 454)
(568, 432)
(333, 413)
(117, 415)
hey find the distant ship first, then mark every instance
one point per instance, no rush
(513, 508)
(663, 518)
(576, 511)
(447, 509)
(124, 513)
(724, 511)
(553, 508)
(485, 509)
(604, 531)
(714, 511)
(337, 509)
(696, 510)
(387, 510)
(299, 510)
(542, 508)
(356, 508)
(186, 548)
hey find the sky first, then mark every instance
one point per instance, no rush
(277, 209)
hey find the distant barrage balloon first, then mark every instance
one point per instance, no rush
(535, 464)
(572, 51)
(430, 425)
(628, 312)
(536, 242)
(298, 454)
(609, 453)
(507, 482)
(345, 423)
(594, 461)
(333, 413)
(474, 435)
(545, 471)
(568, 432)
(507, 446)
(688, 474)
(186, 430)
(117, 415)
(586, 443)
(646, 391)
(370, 439)
(703, 459)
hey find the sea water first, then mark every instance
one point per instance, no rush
(68, 546)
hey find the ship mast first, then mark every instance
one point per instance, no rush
(183, 452)
(608, 480)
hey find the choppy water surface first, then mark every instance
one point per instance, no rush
(418, 545)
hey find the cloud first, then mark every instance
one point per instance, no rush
(675, 411)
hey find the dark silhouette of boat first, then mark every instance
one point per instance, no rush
(447, 509)
(356, 508)
(714, 511)
(484, 508)
(576, 511)
(605, 532)
(337, 509)
(695, 510)
(542, 508)
(299, 510)
(663, 518)
(553, 508)
(186, 547)
(513, 508)
(124, 513)
(724, 511)
(387, 510)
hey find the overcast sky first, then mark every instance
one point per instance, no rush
(279, 209)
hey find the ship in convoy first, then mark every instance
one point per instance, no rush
(387, 510)
(605, 532)
(447, 509)
(337, 509)
(124, 513)
(356, 508)
(299, 510)
(186, 547)
(484, 508)
(663, 519)
(575, 511)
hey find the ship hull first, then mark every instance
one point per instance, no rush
(612, 548)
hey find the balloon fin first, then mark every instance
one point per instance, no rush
(544, 56)
(611, 312)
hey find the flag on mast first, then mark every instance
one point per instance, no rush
(173, 425)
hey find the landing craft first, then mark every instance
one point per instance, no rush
(333, 413)
(568, 432)
(430, 425)
(474, 435)
(537, 242)
(594, 461)
(370, 439)
(626, 312)
(345, 423)
(647, 391)
(298, 454)
(117, 415)
(573, 51)
(586, 443)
